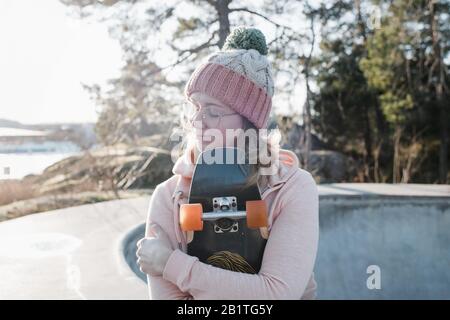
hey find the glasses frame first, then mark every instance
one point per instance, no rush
(204, 111)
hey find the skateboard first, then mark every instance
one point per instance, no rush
(225, 219)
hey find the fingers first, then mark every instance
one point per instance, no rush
(146, 267)
(140, 243)
(141, 265)
(139, 252)
(152, 252)
(141, 246)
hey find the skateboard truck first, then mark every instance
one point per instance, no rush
(225, 205)
(224, 215)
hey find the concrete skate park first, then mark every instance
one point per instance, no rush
(88, 252)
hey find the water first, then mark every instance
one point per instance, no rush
(24, 152)
(18, 165)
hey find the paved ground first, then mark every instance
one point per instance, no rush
(73, 253)
(79, 252)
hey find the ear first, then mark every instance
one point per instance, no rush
(192, 156)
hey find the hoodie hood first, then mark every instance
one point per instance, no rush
(184, 166)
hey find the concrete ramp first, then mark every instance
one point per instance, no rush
(85, 252)
(72, 253)
(403, 239)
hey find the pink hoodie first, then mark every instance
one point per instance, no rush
(287, 266)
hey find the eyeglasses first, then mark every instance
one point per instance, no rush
(211, 116)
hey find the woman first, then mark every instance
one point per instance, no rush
(233, 90)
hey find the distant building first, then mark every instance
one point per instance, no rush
(17, 140)
(16, 132)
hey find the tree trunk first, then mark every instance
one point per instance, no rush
(368, 159)
(397, 160)
(439, 89)
(367, 143)
(307, 121)
(224, 22)
(361, 25)
(307, 109)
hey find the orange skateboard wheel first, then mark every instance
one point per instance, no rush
(191, 217)
(256, 214)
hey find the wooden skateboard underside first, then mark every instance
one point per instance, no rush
(225, 183)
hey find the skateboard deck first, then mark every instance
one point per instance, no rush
(225, 213)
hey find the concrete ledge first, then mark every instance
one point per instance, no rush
(384, 189)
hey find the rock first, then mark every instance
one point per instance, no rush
(326, 166)
(294, 134)
(330, 166)
(118, 167)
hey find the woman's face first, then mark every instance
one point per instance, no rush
(211, 120)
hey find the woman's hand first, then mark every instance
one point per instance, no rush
(153, 252)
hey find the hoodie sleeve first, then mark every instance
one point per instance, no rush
(160, 213)
(161, 289)
(288, 259)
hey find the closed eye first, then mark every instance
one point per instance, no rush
(214, 110)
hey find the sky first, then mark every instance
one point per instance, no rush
(45, 55)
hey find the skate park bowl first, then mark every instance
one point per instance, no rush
(376, 242)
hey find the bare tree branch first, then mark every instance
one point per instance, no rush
(262, 16)
(192, 51)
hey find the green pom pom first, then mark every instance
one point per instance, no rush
(246, 38)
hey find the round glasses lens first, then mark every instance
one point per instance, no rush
(211, 117)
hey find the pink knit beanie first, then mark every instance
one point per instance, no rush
(239, 76)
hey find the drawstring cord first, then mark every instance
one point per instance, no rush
(178, 195)
(176, 216)
(264, 196)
